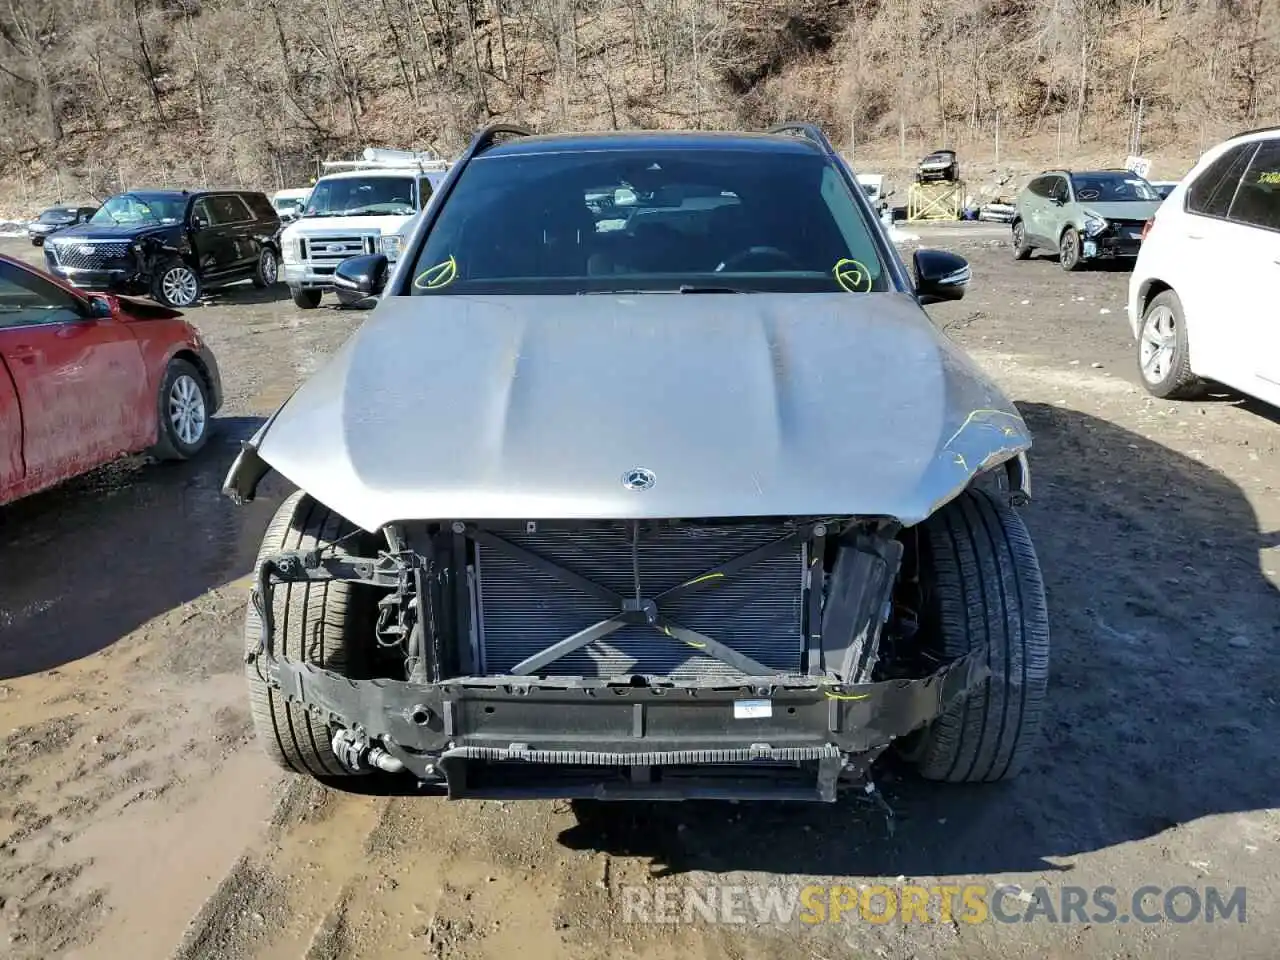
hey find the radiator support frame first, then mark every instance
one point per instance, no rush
(509, 736)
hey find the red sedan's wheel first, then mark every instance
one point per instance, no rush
(183, 407)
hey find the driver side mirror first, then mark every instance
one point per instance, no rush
(359, 281)
(940, 276)
(100, 308)
(198, 222)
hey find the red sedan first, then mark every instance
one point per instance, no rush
(85, 378)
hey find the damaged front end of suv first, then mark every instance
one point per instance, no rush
(646, 545)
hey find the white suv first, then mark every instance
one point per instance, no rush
(1200, 298)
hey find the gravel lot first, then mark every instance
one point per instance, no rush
(139, 820)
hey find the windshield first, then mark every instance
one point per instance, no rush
(57, 215)
(705, 220)
(353, 196)
(1112, 187)
(141, 208)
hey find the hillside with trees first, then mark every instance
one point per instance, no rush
(99, 93)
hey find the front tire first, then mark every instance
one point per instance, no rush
(982, 585)
(176, 284)
(326, 623)
(306, 299)
(267, 272)
(183, 410)
(1021, 249)
(1164, 351)
(1069, 250)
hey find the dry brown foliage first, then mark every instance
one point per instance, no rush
(96, 95)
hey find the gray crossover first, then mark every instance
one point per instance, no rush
(648, 475)
(1083, 215)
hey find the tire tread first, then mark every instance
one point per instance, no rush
(316, 622)
(989, 588)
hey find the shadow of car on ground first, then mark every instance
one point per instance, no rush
(85, 563)
(243, 292)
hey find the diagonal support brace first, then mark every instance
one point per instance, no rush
(647, 611)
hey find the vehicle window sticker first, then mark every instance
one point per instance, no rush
(852, 276)
(1270, 177)
(441, 275)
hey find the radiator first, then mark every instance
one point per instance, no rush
(521, 610)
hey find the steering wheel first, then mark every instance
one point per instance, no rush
(767, 253)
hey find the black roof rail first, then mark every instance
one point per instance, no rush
(810, 131)
(1249, 133)
(483, 140)
(487, 137)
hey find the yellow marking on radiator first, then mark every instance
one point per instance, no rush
(704, 577)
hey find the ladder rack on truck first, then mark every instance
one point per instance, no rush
(379, 158)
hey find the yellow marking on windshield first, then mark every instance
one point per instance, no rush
(441, 275)
(852, 276)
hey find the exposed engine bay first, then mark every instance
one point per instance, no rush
(649, 650)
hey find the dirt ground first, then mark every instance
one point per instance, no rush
(138, 819)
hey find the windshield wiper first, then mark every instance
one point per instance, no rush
(699, 288)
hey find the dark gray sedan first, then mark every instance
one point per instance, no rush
(54, 219)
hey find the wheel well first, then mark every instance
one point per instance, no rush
(159, 254)
(1149, 292)
(196, 362)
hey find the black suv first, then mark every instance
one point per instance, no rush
(171, 244)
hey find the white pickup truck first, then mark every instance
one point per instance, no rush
(349, 210)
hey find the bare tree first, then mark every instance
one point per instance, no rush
(260, 89)
(29, 29)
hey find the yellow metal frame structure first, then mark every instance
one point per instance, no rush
(935, 200)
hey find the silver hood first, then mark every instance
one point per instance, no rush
(524, 407)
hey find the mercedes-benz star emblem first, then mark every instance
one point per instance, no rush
(638, 478)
